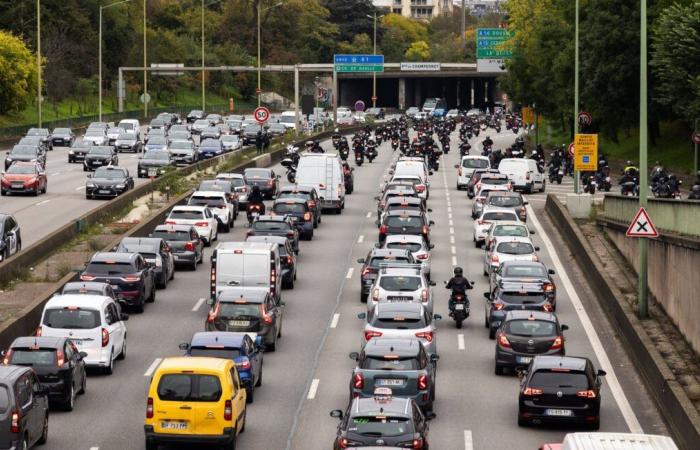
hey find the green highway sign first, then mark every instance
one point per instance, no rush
(359, 68)
(482, 53)
(490, 43)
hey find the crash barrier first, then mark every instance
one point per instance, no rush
(675, 407)
(675, 216)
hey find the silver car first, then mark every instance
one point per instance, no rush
(401, 320)
(231, 142)
(507, 248)
(489, 215)
(513, 228)
(401, 283)
(480, 198)
(414, 244)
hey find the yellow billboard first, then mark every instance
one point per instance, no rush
(586, 152)
(528, 115)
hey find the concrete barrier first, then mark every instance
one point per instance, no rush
(678, 411)
(675, 216)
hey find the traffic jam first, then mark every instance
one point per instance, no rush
(241, 237)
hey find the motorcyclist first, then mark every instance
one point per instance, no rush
(316, 148)
(488, 142)
(697, 179)
(256, 198)
(459, 285)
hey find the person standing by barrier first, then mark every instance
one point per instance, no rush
(259, 142)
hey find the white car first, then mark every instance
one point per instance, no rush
(231, 142)
(480, 197)
(489, 215)
(94, 323)
(415, 244)
(474, 112)
(412, 111)
(507, 228)
(199, 125)
(401, 320)
(524, 173)
(396, 284)
(200, 217)
(345, 118)
(508, 248)
(452, 114)
(467, 166)
(96, 136)
(404, 167)
(419, 184)
(216, 201)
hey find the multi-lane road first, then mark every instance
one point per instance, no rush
(309, 374)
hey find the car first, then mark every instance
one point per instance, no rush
(526, 272)
(132, 126)
(208, 148)
(214, 119)
(231, 142)
(34, 141)
(211, 132)
(170, 119)
(95, 324)
(525, 174)
(225, 186)
(288, 259)
(420, 183)
(474, 112)
(405, 222)
(158, 124)
(624, 441)
(198, 125)
(183, 153)
(512, 200)
(110, 181)
(510, 295)
(185, 244)
(438, 112)
(375, 258)
(88, 288)
(401, 283)
(491, 181)
(157, 143)
(98, 126)
(239, 184)
(246, 351)
(307, 193)
(212, 384)
(113, 134)
(265, 179)
(42, 133)
(395, 421)
(194, 115)
(467, 166)
(488, 216)
(24, 177)
(561, 389)
(10, 236)
(128, 142)
(156, 133)
(526, 334)
(180, 128)
(175, 136)
(452, 114)
(100, 157)
(25, 153)
(57, 363)
(218, 204)
(233, 127)
(62, 137)
(250, 133)
(513, 228)
(156, 252)
(417, 245)
(153, 163)
(276, 226)
(248, 310)
(299, 212)
(377, 113)
(401, 320)
(480, 198)
(200, 217)
(392, 190)
(78, 150)
(401, 202)
(276, 129)
(505, 249)
(132, 279)
(474, 178)
(26, 421)
(96, 136)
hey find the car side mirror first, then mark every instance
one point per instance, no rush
(487, 295)
(83, 354)
(432, 222)
(430, 415)
(89, 175)
(338, 414)
(456, 166)
(601, 373)
(430, 173)
(354, 356)
(564, 327)
(437, 317)
(361, 260)
(526, 203)
(184, 346)
(532, 231)
(362, 316)
(431, 246)
(434, 357)
(537, 249)
(123, 317)
(430, 210)
(432, 283)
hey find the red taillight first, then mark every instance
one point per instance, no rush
(382, 229)
(420, 188)
(548, 287)
(366, 272)
(417, 444)
(375, 294)
(214, 313)
(270, 182)
(503, 341)
(213, 274)
(427, 335)
(307, 216)
(87, 277)
(243, 365)
(358, 381)
(131, 278)
(586, 394)
(8, 357)
(424, 295)
(290, 260)
(370, 334)
(105, 337)
(423, 382)
(60, 358)
(201, 224)
(290, 234)
(37, 332)
(498, 306)
(527, 176)
(170, 222)
(311, 203)
(228, 410)
(189, 246)
(426, 230)
(547, 307)
(532, 391)
(321, 186)
(267, 318)
(422, 256)
(342, 443)
(558, 342)
(494, 259)
(14, 424)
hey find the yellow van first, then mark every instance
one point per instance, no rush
(195, 400)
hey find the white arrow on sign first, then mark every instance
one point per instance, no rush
(642, 225)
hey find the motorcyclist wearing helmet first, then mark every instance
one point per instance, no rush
(488, 142)
(256, 198)
(317, 147)
(459, 285)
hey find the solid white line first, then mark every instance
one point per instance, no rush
(369, 214)
(350, 272)
(361, 239)
(614, 384)
(334, 322)
(460, 341)
(454, 260)
(152, 367)
(198, 304)
(313, 389)
(43, 202)
(452, 239)
(452, 230)
(468, 445)
(79, 188)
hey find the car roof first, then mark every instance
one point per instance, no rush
(247, 294)
(249, 247)
(510, 222)
(524, 263)
(193, 363)
(279, 240)
(401, 347)
(407, 199)
(560, 362)
(78, 300)
(501, 239)
(85, 284)
(289, 200)
(230, 175)
(405, 238)
(503, 194)
(113, 256)
(9, 373)
(141, 240)
(535, 315)
(39, 341)
(407, 270)
(493, 175)
(188, 208)
(224, 338)
(407, 212)
(209, 193)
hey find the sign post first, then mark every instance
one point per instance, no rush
(586, 152)
(491, 51)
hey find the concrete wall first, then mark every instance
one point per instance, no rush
(677, 216)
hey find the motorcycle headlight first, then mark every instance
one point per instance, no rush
(70, 152)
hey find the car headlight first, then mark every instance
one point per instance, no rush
(70, 152)
(32, 160)
(9, 158)
(90, 185)
(120, 186)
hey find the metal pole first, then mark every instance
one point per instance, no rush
(203, 99)
(577, 175)
(643, 306)
(464, 27)
(296, 99)
(374, 74)
(259, 91)
(695, 160)
(38, 58)
(120, 94)
(335, 96)
(99, 77)
(145, 61)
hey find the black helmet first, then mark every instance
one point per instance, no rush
(458, 271)
(256, 188)
(317, 142)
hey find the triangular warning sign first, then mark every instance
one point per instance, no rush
(642, 225)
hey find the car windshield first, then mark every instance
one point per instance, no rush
(31, 357)
(179, 135)
(172, 235)
(126, 137)
(378, 426)
(37, 132)
(505, 201)
(23, 150)
(225, 353)
(61, 131)
(390, 362)
(109, 268)
(515, 248)
(79, 143)
(211, 143)
(95, 132)
(229, 138)
(404, 221)
(157, 122)
(108, 174)
(257, 173)
(289, 208)
(158, 155)
(157, 140)
(410, 246)
(115, 130)
(201, 122)
(189, 387)
(375, 262)
(550, 379)
(398, 322)
(100, 151)
(286, 119)
(21, 169)
(510, 230)
(238, 182)
(214, 130)
(525, 271)
(239, 310)
(294, 194)
(214, 202)
(270, 225)
(530, 328)
(522, 298)
(400, 283)
(72, 318)
(212, 185)
(186, 215)
(500, 215)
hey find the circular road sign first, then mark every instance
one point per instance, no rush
(261, 114)
(696, 137)
(571, 149)
(145, 98)
(585, 118)
(359, 105)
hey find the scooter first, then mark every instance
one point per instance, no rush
(253, 211)
(359, 158)
(291, 167)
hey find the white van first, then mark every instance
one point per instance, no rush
(615, 441)
(467, 166)
(288, 119)
(324, 172)
(94, 323)
(524, 173)
(246, 264)
(131, 126)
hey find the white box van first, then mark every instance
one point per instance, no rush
(246, 264)
(131, 126)
(525, 174)
(288, 119)
(323, 171)
(613, 441)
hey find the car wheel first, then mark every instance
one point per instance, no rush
(83, 384)
(498, 369)
(595, 425)
(150, 445)
(70, 404)
(36, 191)
(259, 382)
(152, 297)
(272, 347)
(486, 321)
(522, 422)
(249, 395)
(492, 333)
(245, 420)
(3, 192)
(44, 431)
(45, 188)
(122, 354)
(109, 370)
(233, 445)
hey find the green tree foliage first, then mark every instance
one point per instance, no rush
(350, 16)
(361, 43)
(18, 76)
(398, 35)
(418, 51)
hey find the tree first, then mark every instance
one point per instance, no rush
(350, 16)
(18, 74)
(361, 43)
(418, 51)
(398, 34)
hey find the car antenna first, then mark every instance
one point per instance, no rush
(391, 348)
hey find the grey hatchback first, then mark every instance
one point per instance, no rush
(24, 408)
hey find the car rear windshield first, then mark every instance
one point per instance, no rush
(158, 155)
(549, 379)
(100, 151)
(186, 215)
(23, 150)
(238, 182)
(391, 363)
(510, 230)
(80, 319)
(499, 216)
(397, 322)
(525, 271)
(515, 248)
(257, 173)
(378, 426)
(239, 310)
(213, 185)
(82, 291)
(189, 387)
(375, 262)
(474, 163)
(30, 357)
(270, 225)
(522, 297)
(109, 268)
(404, 221)
(226, 353)
(410, 246)
(400, 283)
(295, 194)
(214, 202)
(232, 267)
(497, 181)
(181, 145)
(290, 208)
(506, 201)
(173, 235)
(134, 247)
(533, 328)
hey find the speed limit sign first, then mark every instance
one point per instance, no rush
(261, 114)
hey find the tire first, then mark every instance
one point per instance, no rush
(458, 323)
(492, 333)
(3, 193)
(140, 307)
(486, 321)
(498, 369)
(45, 432)
(193, 267)
(250, 395)
(83, 384)
(272, 347)
(595, 425)
(522, 422)
(151, 445)
(122, 354)
(25, 444)
(70, 404)
(109, 370)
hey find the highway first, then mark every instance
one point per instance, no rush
(309, 374)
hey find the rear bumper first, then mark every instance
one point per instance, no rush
(331, 203)
(579, 414)
(194, 439)
(185, 257)
(511, 359)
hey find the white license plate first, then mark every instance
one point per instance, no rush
(17, 185)
(385, 382)
(523, 359)
(558, 412)
(239, 323)
(97, 163)
(103, 191)
(459, 306)
(172, 425)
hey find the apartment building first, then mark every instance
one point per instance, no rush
(416, 9)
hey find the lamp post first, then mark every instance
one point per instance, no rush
(374, 52)
(145, 60)
(260, 11)
(38, 58)
(204, 101)
(577, 175)
(642, 309)
(103, 7)
(464, 26)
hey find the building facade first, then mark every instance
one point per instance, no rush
(416, 9)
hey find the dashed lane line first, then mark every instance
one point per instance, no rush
(334, 321)
(313, 389)
(468, 444)
(198, 304)
(350, 272)
(460, 341)
(361, 239)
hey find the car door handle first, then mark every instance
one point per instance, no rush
(185, 407)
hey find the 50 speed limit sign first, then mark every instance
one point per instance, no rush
(261, 114)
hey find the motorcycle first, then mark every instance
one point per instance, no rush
(359, 158)
(371, 153)
(253, 211)
(590, 186)
(694, 192)
(344, 153)
(629, 188)
(459, 307)
(464, 149)
(394, 144)
(291, 167)
(446, 147)
(556, 174)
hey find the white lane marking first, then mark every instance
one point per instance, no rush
(361, 239)
(449, 204)
(453, 250)
(452, 230)
(451, 223)
(152, 367)
(452, 239)
(334, 322)
(449, 215)
(468, 444)
(369, 214)
(94, 448)
(79, 188)
(460, 341)
(619, 395)
(313, 389)
(454, 260)
(43, 202)
(449, 209)
(55, 173)
(198, 304)
(350, 272)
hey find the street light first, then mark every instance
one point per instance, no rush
(103, 7)
(204, 103)
(260, 11)
(38, 57)
(576, 172)
(145, 60)
(374, 74)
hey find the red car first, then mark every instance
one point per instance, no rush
(24, 177)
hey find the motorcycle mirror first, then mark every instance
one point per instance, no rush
(564, 327)
(432, 283)
(361, 260)
(526, 203)
(434, 357)
(362, 316)
(354, 356)
(532, 231)
(437, 317)
(431, 246)
(456, 166)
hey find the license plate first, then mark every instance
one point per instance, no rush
(17, 185)
(172, 425)
(77, 341)
(97, 163)
(152, 172)
(459, 307)
(386, 382)
(239, 323)
(124, 146)
(558, 412)
(103, 191)
(294, 219)
(523, 359)
(400, 299)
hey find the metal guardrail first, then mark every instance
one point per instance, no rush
(673, 216)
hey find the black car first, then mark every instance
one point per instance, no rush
(299, 212)
(527, 272)
(186, 246)
(288, 259)
(247, 310)
(209, 148)
(88, 288)
(44, 134)
(405, 222)
(183, 153)
(62, 137)
(57, 362)
(159, 123)
(265, 179)
(131, 277)
(156, 252)
(10, 236)
(128, 142)
(307, 193)
(276, 226)
(562, 389)
(78, 150)
(25, 153)
(195, 114)
(525, 334)
(23, 393)
(110, 181)
(382, 420)
(100, 156)
(509, 296)
(34, 141)
(153, 163)
(370, 266)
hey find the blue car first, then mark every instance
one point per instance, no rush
(209, 148)
(245, 351)
(438, 112)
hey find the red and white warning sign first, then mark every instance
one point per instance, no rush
(642, 225)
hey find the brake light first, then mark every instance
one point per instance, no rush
(105, 337)
(289, 260)
(424, 295)
(8, 356)
(131, 278)
(417, 444)
(201, 224)
(535, 258)
(87, 277)
(426, 230)
(503, 341)
(423, 382)
(321, 186)
(494, 259)
(214, 313)
(60, 358)
(290, 234)
(267, 318)
(366, 272)
(37, 332)
(342, 443)
(170, 222)
(558, 342)
(213, 273)
(243, 365)
(358, 381)
(14, 425)
(532, 391)
(427, 335)
(590, 393)
(189, 246)
(548, 287)
(375, 294)
(228, 410)
(270, 182)
(527, 176)
(382, 229)
(422, 256)
(498, 306)
(420, 188)
(307, 216)
(547, 307)
(370, 334)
